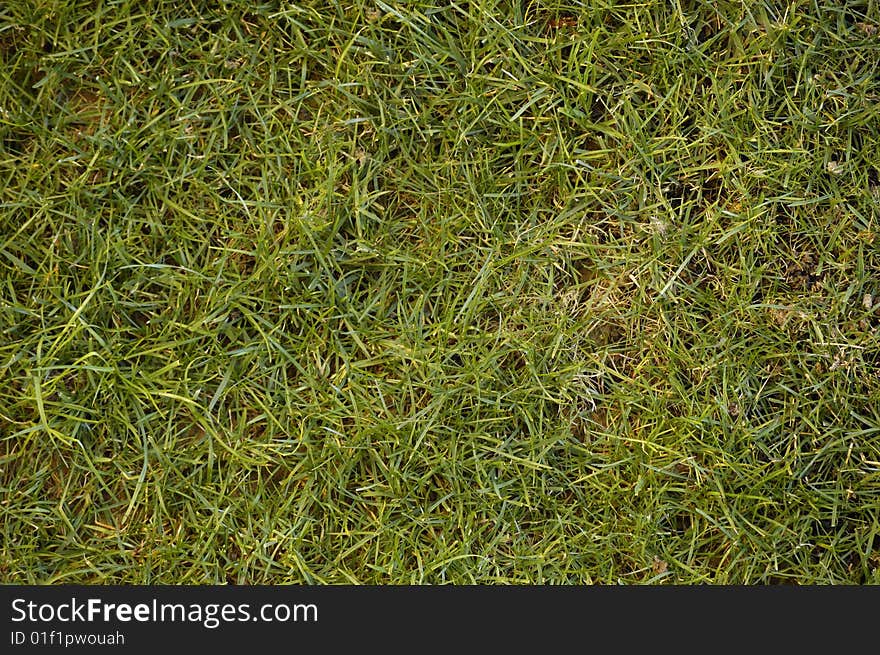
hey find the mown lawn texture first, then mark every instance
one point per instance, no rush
(420, 292)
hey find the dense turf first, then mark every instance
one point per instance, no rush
(417, 293)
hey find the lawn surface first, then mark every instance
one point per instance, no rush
(419, 292)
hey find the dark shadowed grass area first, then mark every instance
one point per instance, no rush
(533, 292)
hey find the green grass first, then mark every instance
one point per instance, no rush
(486, 292)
